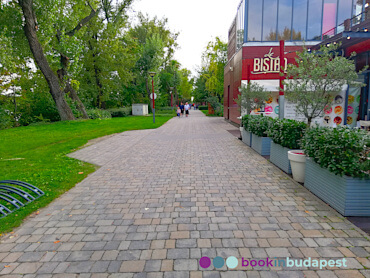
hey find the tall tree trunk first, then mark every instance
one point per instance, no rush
(62, 73)
(30, 28)
(101, 103)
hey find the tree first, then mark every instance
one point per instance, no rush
(30, 30)
(156, 47)
(251, 97)
(214, 61)
(315, 78)
(109, 56)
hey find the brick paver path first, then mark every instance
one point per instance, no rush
(165, 198)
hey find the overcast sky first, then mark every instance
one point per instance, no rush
(197, 21)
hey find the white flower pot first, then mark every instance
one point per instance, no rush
(298, 164)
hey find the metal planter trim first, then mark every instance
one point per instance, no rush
(349, 196)
(261, 145)
(279, 157)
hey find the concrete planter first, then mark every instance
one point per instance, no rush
(349, 196)
(261, 145)
(247, 137)
(279, 156)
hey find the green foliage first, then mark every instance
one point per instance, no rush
(245, 121)
(120, 112)
(316, 78)
(251, 97)
(5, 119)
(216, 105)
(44, 163)
(287, 133)
(98, 114)
(341, 150)
(259, 125)
(203, 107)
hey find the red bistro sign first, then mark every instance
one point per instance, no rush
(263, 62)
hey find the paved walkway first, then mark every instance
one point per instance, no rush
(165, 198)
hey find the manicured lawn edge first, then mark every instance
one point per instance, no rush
(40, 153)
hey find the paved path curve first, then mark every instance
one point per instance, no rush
(165, 198)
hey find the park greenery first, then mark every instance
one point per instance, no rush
(37, 154)
(60, 59)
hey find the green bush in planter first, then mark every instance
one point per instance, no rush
(245, 121)
(259, 125)
(287, 133)
(341, 150)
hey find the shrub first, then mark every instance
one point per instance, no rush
(245, 121)
(259, 125)
(341, 150)
(287, 133)
(203, 107)
(5, 119)
(120, 112)
(98, 114)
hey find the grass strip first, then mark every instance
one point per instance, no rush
(37, 155)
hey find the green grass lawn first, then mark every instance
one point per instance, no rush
(37, 155)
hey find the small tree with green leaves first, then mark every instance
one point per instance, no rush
(251, 97)
(316, 78)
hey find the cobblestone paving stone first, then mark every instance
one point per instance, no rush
(165, 198)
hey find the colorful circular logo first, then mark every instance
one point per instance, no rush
(350, 109)
(351, 99)
(276, 109)
(327, 120)
(205, 262)
(338, 120)
(349, 120)
(328, 110)
(268, 109)
(218, 262)
(338, 99)
(338, 110)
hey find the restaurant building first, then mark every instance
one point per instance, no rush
(255, 47)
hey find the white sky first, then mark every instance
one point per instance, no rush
(197, 21)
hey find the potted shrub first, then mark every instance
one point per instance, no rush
(338, 168)
(246, 135)
(258, 126)
(285, 135)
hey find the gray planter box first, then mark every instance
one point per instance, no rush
(261, 144)
(247, 137)
(279, 156)
(349, 196)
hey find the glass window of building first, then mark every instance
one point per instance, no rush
(356, 12)
(367, 10)
(344, 15)
(285, 20)
(240, 25)
(329, 18)
(299, 20)
(254, 20)
(269, 20)
(314, 20)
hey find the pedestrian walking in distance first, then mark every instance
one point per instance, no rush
(187, 108)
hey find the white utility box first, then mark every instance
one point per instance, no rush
(139, 109)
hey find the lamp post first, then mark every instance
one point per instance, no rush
(152, 74)
(171, 90)
(281, 79)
